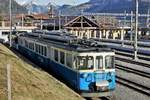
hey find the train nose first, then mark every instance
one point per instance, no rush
(102, 85)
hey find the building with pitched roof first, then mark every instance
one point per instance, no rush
(83, 27)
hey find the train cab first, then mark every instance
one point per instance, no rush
(97, 73)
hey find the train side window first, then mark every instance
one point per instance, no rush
(42, 50)
(99, 62)
(56, 55)
(109, 62)
(26, 43)
(69, 60)
(51, 53)
(36, 48)
(45, 51)
(62, 57)
(32, 46)
(20, 42)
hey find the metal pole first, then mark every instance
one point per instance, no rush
(22, 20)
(41, 23)
(131, 29)
(124, 24)
(66, 19)
(54, 24)
(9, 81)
(10, 16)
(136, 29)
(147, 22)
(59, 20)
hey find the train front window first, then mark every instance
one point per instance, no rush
(99, 62)
(85, 62)
(109, 62)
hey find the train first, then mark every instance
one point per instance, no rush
(88, 67)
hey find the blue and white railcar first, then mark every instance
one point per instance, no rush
(89, 70)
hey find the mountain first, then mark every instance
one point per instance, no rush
(113, 6)
(36, 8)
(16, 8)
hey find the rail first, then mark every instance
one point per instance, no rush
(134, 85)
(135, 71)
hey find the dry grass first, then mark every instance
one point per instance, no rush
(29, 83)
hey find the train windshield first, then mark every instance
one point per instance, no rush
(99, 62)
(109, 62)
(85, 62)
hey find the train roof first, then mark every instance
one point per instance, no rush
(67, 41)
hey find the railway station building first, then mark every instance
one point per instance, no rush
(84, 27)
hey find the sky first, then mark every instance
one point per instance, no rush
(55, 2)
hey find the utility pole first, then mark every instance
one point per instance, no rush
(30, 8)
(41, 22)
(82, 19)
(136, 29)
(22, 20)
(9, 81)
(148, 19)
(10, 17)
(124, 25)
(66, 19)
(59, 20)
(131, 26)
(54, 24)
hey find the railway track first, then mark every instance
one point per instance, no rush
(135, 71)
(133, 85)
(100, 98)
(126, 42)
(133, 62)
(131, 55)
(143, 54)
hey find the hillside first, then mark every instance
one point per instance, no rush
(28, 82)
(113, 6)
(16, 8)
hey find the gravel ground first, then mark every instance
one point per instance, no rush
(124, 93)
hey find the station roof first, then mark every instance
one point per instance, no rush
(81, 22)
